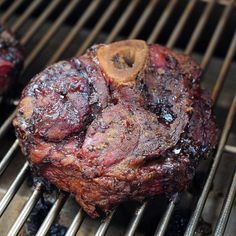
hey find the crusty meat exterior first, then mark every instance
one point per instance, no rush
(11, 59)
(108, 141)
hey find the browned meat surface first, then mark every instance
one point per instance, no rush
(125, 121)
(11, 59)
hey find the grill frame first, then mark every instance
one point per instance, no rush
(222, 147)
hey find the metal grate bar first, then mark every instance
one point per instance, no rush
(198, 29)
(6, 159)
(70, 7)
(26, 14)
(11, 9)
(39, 21)
(161, 22)
(2, 2)
(26, 210)
(123, 20)
(224, 69)
(82, 20)
(179, 27)
(13, 188)
(7, 123)
(222, 2)
(74, 227)
(217, 33)
(104, 226)
(136, 219)
(231, 149)
(53, 213)
(98, 26)
(201, 201)
(143, 19)
(162, 226)
(226, 209)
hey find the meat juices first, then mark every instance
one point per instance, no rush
(125, 121)
(11, 59)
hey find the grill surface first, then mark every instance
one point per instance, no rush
(57, 29)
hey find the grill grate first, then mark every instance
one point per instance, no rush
(209, 6)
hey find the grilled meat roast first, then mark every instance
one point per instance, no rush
(124, 121)
(11, 59)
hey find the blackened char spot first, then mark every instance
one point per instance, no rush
(164, 113)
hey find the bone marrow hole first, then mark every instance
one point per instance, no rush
(123, 60)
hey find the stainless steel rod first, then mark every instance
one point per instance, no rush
(201, 201)
(2, 2)
(179, 27)
(76, 28)
(217, 33)
(200, 25)
(20, 20)
(70, 7)
(224, 69)
(136, 219)
(113, 5)
(123, 20)
(53, 213)
(104, 226)
(10, 10)
(143, 19)
(226, 209)
(26, 210)
(7, 123)
(13, 188)
(230, 149)
(162, 21)
(7, 158)
(162, 226)
(74, 227)
(221, 2)
(40, 21)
